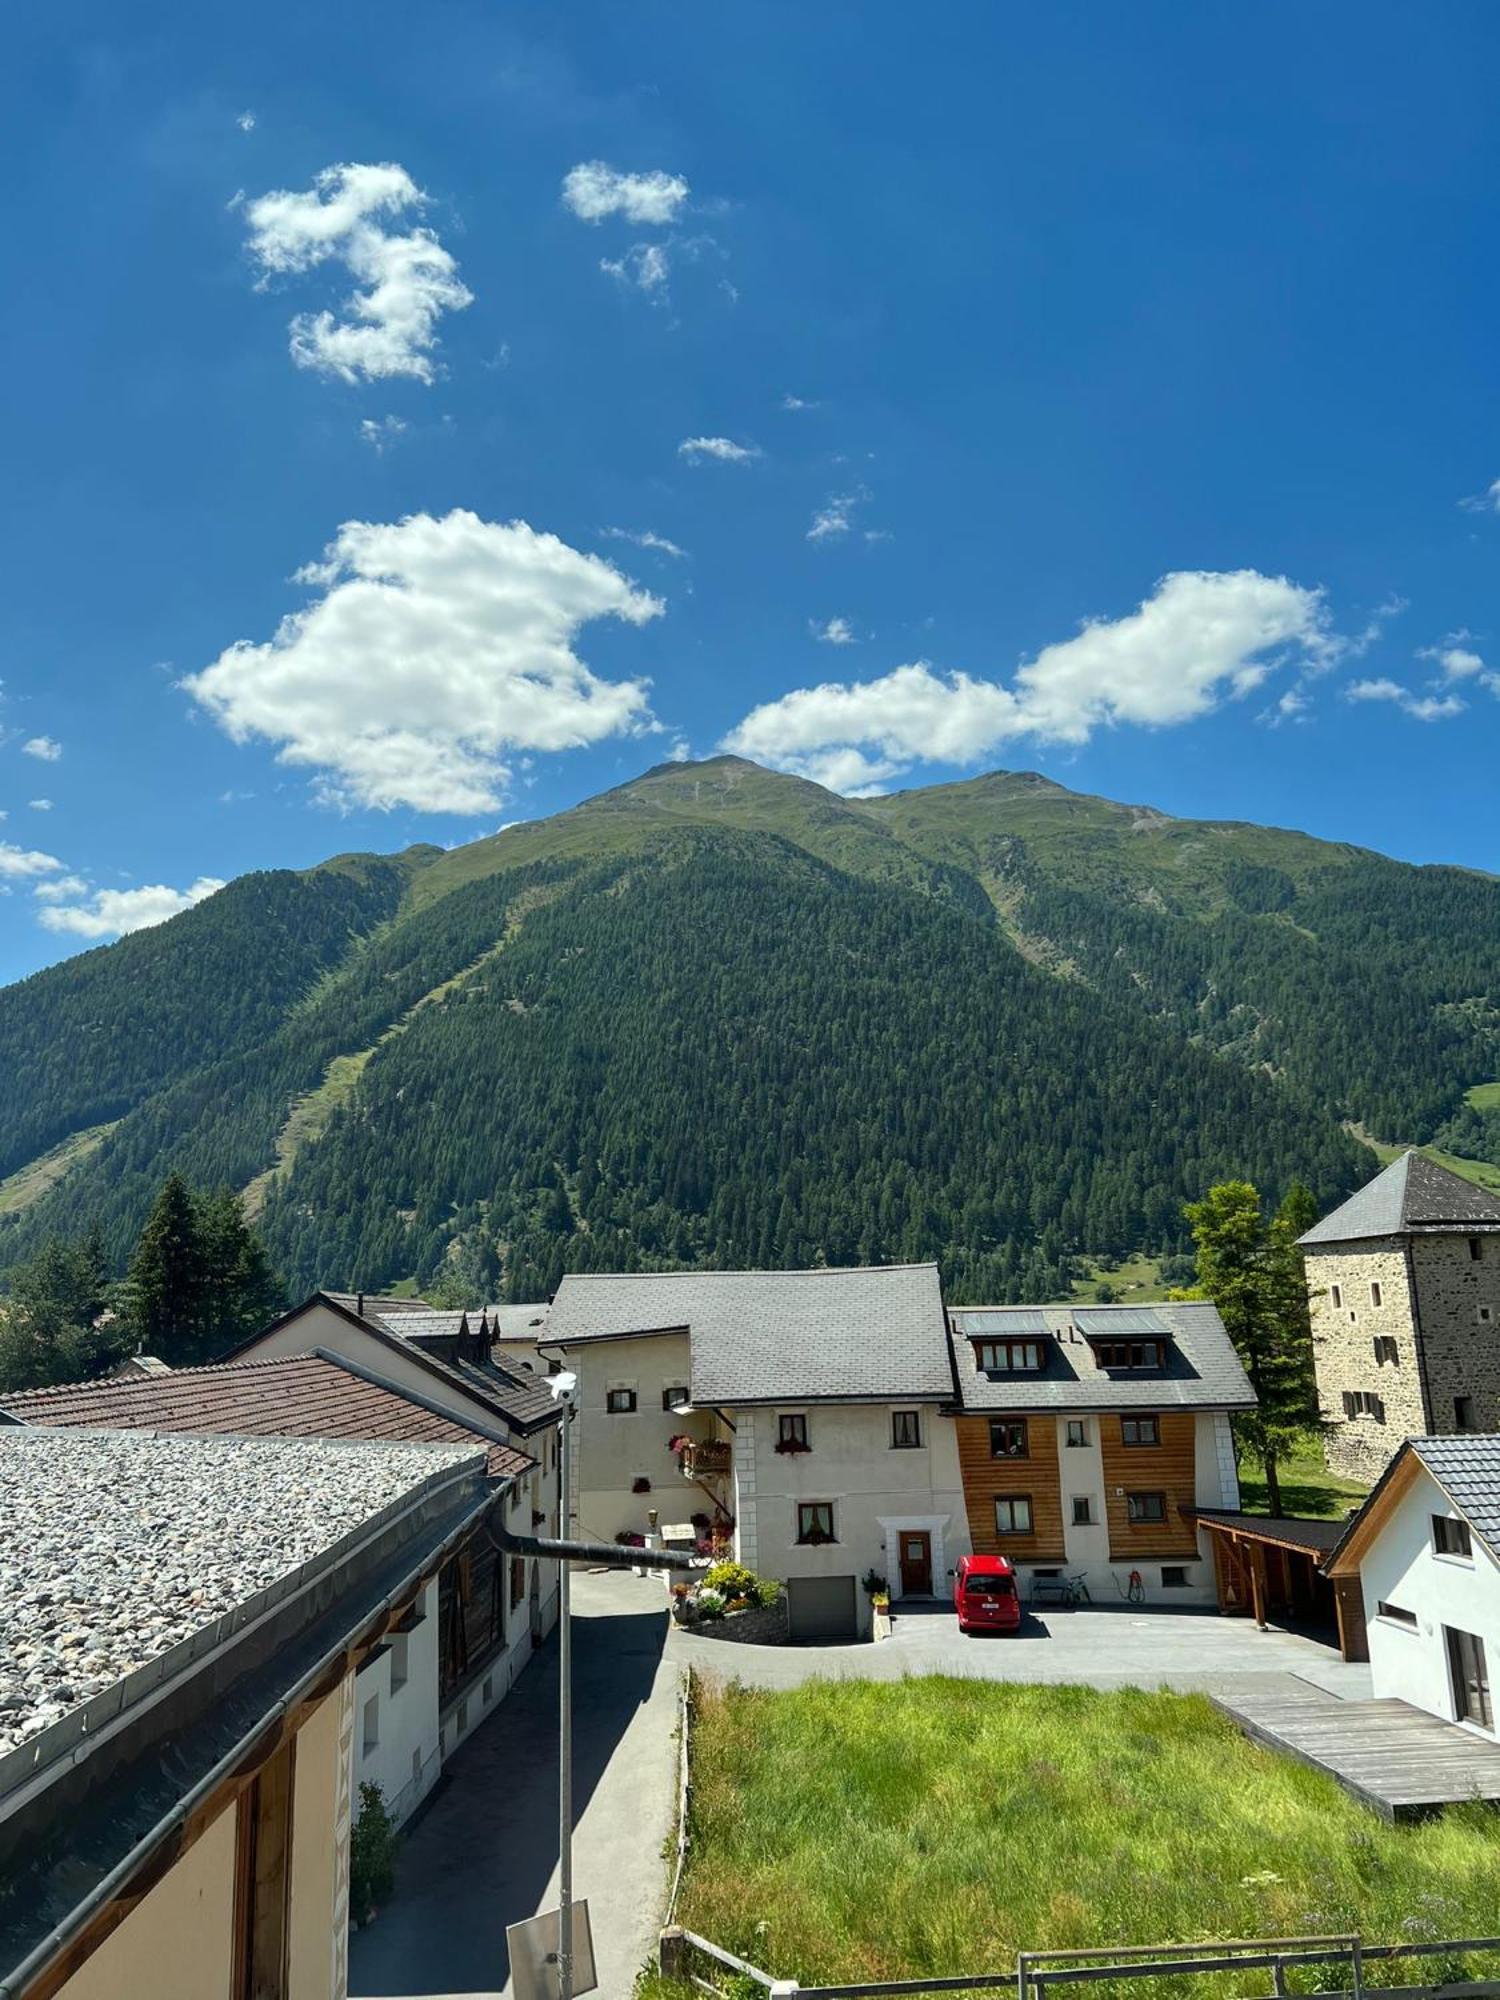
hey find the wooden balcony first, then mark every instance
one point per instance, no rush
(710, 1459)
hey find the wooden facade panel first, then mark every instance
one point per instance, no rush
(1168, 1468)
(987, 1478)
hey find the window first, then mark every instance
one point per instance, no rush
(791, 1432)
(399, 1663)
(1397, 1614)
(671, 1397)
(1128, 1353)
(1374, 1291)
(1008, 1438)
(1078, 1431)
(1364, 1403)
(1013, 1514)
(1483, 1315)
(1174, 1578)
(1019, 1356)
(1450, 1537)
(1083, 1510)
(1140, 1430)
(370, 1736)
(1385, 1350)
(906, 1430)
(517, 1580)
(814, 1521)
(1336, 1293)
(1463, 1413)
(620, 1402)
(1146, 1506)
(1476, 1248)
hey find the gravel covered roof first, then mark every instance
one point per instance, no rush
(117, 1545)
(1413, 1194)
(301, 1395)
(1202, 1370)
(776, 1336)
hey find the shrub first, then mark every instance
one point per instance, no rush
(874, 1584)
(372, 1853)
(710, 1603)
(732, 1579)
(767, 1591)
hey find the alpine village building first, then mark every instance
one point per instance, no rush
(841, 1424)
(1405, 1307)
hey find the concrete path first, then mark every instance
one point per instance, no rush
(1103, 1646)
(482, 1852)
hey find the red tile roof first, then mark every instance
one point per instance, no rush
(301, 1395)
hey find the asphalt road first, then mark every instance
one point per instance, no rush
(482, 1852)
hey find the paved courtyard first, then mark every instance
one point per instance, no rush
(483, 1852)
(1103, 1646)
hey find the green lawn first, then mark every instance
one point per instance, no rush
(1307, 1486)
(864, 1830)
(1137, 1281)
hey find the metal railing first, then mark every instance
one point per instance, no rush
(1036, 1973)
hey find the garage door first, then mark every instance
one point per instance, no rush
(821, 1607)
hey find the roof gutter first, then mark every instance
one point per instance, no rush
(19, 1980)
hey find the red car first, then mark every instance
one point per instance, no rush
(985, 1595)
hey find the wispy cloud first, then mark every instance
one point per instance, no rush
(834, 632)
(722, 448)
(404, 283)
(40, 805)
(23, 864)
(46, 749)
(246, 121)
(1487, 502)
(643, 538)
(644, 266)
(791, 402)
(1422, 707)
(380, 433)
(836, 516)
(594, 190)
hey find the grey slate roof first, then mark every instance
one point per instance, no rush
(1412, 1195)
(1467, 1467)
(869, 1334)
(1202, 1370)
(518, 1322)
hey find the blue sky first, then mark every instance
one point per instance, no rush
(1179, 321)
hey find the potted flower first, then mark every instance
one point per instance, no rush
(792, 1447)
(641, 1485)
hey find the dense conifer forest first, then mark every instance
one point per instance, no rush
(722, 1016)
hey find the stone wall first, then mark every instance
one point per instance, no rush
(1346, 1323)
(764, 1626)
(1458, 1303)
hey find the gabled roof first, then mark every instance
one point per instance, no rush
(1413, 1195)
(872, 1334)
(315, 1395)
(523, 1400)
(1466, 1468)
(1201, 1370)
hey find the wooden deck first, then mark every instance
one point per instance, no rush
(1397, 1759)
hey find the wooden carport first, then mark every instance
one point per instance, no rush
(1268, 1565)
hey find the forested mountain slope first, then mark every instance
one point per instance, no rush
(722, 1015)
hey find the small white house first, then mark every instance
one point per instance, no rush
(1426, 1549)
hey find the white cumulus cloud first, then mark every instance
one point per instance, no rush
(594, 190)
(61, 888)
(46, 749)
(646, 266)
(835, 632)
(835, 517)
(1200, 636)
(107, 913)
(1423, 707)
(434, 646)
(404, 281)
(23, 863)
(722, 448)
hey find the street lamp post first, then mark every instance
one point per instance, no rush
(564, 1388)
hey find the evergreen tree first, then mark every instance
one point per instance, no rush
(168, 1286)
(56, 1325)
(241, 1291)
(1252, 1271)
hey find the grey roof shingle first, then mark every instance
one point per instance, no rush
(869, 1334)
(1412, 1194)
(1468, 1470)
(1202, 1370)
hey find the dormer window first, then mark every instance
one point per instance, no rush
(1010, 1357)
(1132, 1354)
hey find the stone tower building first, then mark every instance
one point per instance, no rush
(1405, 1278)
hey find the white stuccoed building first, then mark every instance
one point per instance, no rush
(1426, 1549)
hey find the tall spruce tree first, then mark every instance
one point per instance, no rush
(168, 1285)
(241, 1291)
(56, 1325)
(1252, 1271)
